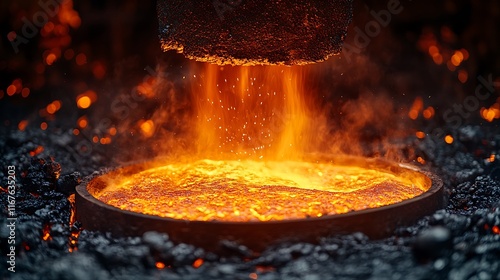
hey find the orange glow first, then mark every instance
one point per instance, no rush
(465, 54)
(495, 229)
(428, 113)
(252, 132)
(448, 139)
(433, 50)
(50, 59)
(44, 126)
(68, 15)
(105, 141)
(25, 92)
(11, 90)
(420, 135)
(36, 151)
(160, 265)
(247, 190)
(22, 125)
(147, 128)
(258, 111)
(73, 239)
(83, 102)
(420, 160)
(81, 59)
(76, 131)
(86, 99)
(46, 233)
(95, 139)
(463, 76)
(457, 58)
(450, 66)
(447, 34)
(438, 59)
(98, 70)
(491, 158)
(147, 88)
(112, 131)
(71, 200)
(11, 36)
(53, 107)
(82, 122)
(48, 27)
(253, 276)
(492, 113)
(417, 106)
(197, 263)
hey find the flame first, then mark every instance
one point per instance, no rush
(258, 111)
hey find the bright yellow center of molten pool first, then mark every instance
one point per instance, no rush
(208, 190)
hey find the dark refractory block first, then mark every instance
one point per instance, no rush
(240, 32)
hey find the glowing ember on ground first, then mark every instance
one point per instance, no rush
(257, 191)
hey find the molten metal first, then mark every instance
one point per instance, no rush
(243, 191)
(218, 200)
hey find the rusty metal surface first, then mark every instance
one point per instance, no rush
(254, 32)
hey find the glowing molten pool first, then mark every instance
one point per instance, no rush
(208, 190)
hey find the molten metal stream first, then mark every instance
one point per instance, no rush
(259, 112)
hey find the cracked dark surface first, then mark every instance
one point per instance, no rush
(254, 32)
